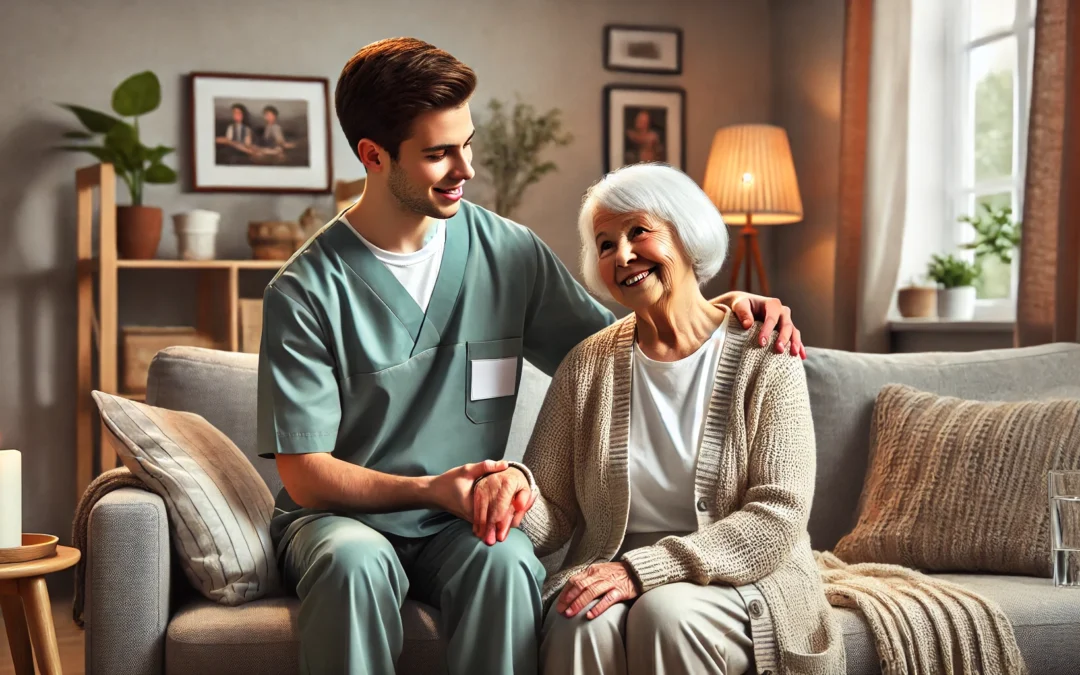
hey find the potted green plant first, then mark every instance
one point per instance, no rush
(956, 297)
(116, 141)
(509, 144)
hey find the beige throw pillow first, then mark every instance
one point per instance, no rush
(219, 508)
(958, 485)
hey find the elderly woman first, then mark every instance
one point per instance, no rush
(677, 461)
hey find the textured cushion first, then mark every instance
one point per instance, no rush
(261, 637)
(1044, 619)
(219, 509)
(959, 485)
(843, 386)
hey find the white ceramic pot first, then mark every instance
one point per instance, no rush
(956, 304)
(196, 234)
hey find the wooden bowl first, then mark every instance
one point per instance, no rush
(34, 546)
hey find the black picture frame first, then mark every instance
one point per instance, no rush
(311, 172)
(618, 99)
(615, 35)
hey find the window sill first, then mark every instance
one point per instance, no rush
(934, 325)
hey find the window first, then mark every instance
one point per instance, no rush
(990, 62)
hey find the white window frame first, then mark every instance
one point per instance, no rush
(962, 188)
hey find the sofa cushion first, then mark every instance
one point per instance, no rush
(222, 387)
(959, 485)
(261, 637)
(219, 509)
(844, 385)
(1043, 619)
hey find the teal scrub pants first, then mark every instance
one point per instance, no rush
(352, 581)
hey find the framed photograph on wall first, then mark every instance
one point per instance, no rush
(643, 49)
(259, 133)
(644, 124)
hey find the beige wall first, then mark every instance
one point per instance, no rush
(549, 51)
(808, 46)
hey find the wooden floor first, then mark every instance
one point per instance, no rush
(69, 638)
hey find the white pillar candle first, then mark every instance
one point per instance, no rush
(10, 498)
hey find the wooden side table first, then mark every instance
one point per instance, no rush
(28, 613)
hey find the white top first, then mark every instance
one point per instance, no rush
(416, 271)
(668, 405)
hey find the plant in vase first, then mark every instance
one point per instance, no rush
(509, 144)
(115, 141)
(956, 297)
(997, 236)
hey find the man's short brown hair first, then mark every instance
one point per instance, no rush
(386, 85)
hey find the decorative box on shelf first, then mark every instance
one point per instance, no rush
(141, 343)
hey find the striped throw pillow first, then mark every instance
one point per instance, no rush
(219, 508)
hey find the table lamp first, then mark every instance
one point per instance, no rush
(750, 178)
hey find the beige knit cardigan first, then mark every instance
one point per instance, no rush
(753, 488)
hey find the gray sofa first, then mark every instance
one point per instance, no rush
(143, 619)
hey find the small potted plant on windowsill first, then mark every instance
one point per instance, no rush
(138, 227)
(917, 300)
(956, 297)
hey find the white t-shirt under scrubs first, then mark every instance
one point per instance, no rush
(668, 406)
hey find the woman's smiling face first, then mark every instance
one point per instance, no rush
(640, 258)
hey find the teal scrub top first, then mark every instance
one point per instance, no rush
(349, 363)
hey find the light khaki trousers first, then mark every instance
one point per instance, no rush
(675, 628)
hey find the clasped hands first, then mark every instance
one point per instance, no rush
(494, 497)
(491, 495)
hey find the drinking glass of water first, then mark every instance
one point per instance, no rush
(1065, 526)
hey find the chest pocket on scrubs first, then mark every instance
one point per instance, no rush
(492, 375)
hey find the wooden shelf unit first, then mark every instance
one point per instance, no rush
(217, 311)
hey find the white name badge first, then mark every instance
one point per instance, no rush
(493, 378)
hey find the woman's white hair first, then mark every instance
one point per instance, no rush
(660, 191)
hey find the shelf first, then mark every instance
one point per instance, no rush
(947, 326)
(200, 264)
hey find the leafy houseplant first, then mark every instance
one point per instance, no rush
(115, 141)
(956, 298)
(510, 142)
(996, 233)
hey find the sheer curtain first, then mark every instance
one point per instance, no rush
(873, 156)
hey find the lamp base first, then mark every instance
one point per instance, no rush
(748, 248)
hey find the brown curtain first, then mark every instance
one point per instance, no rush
(854, 118)
(1049, 288)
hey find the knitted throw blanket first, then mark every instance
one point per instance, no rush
(921, 624)
(113, 479)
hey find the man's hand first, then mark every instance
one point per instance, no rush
(452, 491)
(772, 313)
(611, 582)
(500, 501)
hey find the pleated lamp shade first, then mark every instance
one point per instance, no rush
(750, 171)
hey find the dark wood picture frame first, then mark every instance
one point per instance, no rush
(677, 32)
(607, 104)
(192, 156)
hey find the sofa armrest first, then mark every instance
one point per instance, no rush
(127, 584)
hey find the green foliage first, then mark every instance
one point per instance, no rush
(994, 125)
(509, 145)
(952, 272)
(996, 233)
(117, 142)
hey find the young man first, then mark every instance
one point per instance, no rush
(392, 348)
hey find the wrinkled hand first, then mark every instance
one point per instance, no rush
(773, 314)
(611, 582)
(452, 490)
(500, 501)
